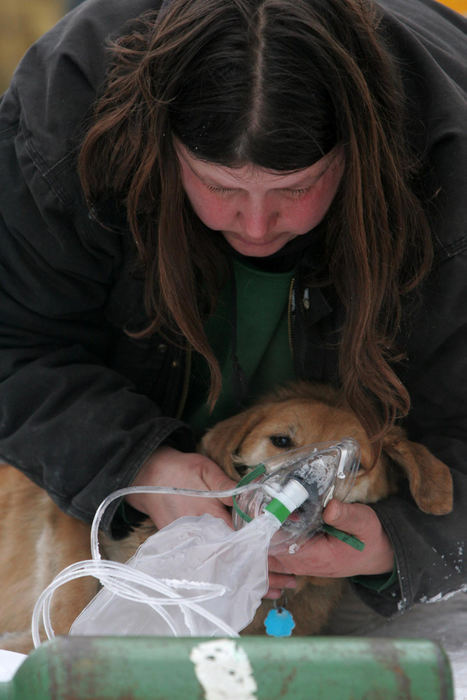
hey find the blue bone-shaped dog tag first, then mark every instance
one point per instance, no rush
(279, 623)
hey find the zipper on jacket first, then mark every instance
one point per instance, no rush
(290, 311)
(186, 383)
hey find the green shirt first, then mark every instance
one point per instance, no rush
(262, 339)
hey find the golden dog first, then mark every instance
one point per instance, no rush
(37, 540)
(303, 414)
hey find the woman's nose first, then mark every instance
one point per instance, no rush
(257, 220)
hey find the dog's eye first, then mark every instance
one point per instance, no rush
(281, 441)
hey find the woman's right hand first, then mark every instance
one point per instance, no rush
(169, 467)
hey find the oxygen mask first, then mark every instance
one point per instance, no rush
(326, 470)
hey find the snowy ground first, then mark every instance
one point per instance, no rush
(458, 659)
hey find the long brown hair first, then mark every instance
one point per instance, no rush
(276, 83)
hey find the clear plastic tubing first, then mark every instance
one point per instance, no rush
(118, 577)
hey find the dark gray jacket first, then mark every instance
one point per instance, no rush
(82, 405)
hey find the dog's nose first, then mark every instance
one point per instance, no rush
(241, 469)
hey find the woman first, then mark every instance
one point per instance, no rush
(218, 146)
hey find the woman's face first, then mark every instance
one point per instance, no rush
(258, 211)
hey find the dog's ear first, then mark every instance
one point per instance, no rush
(430, 480)
(221, 442)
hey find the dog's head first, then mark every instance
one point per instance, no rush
(304, 414)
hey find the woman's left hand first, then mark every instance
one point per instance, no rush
(327, 556)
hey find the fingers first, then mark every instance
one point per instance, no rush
(327, 556)
(164, 509)
(277, 584)
(360, 520)
(273, 594)
(281, 581)
(217, 480)
(344, 516)
(168, 467)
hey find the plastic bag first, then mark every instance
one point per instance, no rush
(226, 570)
(190, 553)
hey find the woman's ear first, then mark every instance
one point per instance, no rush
(430, 480)
(221, 442)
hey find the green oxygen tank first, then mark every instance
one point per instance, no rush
(244, 668)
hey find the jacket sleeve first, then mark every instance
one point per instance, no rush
(430, 549)
(429, 41)
(67, 420)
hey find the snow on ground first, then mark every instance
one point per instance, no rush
(458, 660)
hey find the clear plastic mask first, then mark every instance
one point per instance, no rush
(327, 470)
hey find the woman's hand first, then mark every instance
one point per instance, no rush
(327, 556)
(169, 467)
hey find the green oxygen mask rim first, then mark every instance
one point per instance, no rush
(251, 476)
(260, 469)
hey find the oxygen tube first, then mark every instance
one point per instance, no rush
(121, 579)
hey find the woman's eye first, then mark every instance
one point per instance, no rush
(219, 190)
(296, 194)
